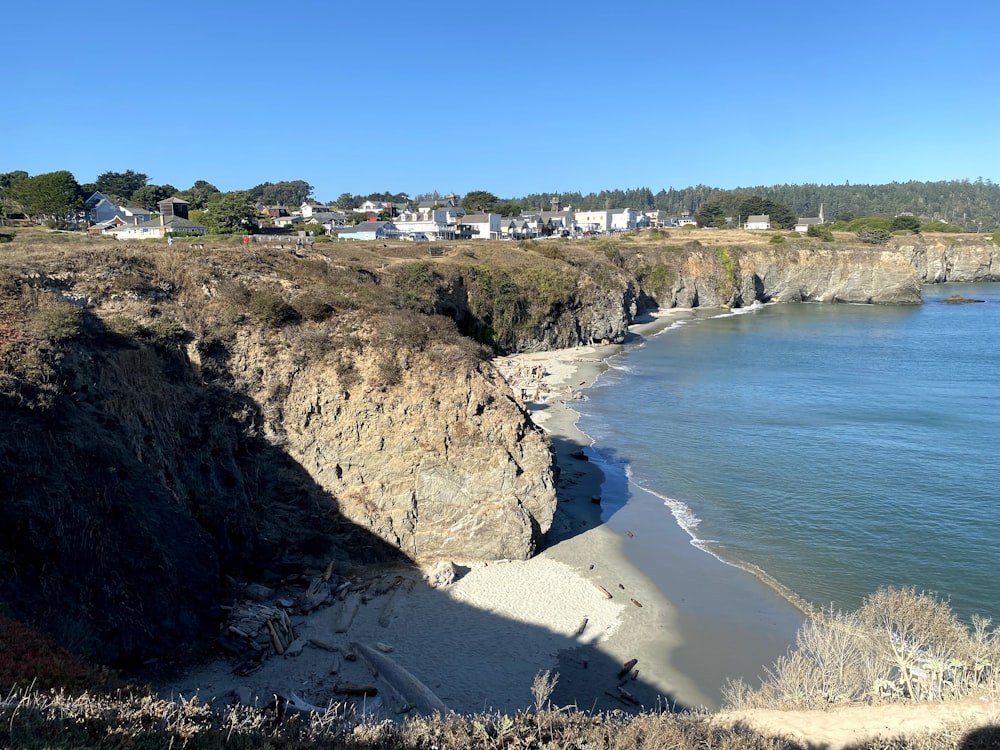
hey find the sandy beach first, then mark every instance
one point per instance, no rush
(619, 604)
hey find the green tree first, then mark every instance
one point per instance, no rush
(289, 193)
(148, 196)
(8, 183)
(119, 186)
(711, 213)
(346, 202)
(905, 223)
(479, 200)
(199, 194)
(232, 212)
(508, 208)
(782, 217)
(54, 195)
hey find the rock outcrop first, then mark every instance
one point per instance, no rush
(955, 259)
(429, 451)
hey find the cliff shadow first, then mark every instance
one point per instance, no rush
(144, 506)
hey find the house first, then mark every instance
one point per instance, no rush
(758, 221)
(802, 225)
(103, 227)
(135, 214)
(624, 219)
(331, 220)
(309, 209)
(368, 231)
(374, 207)
(174, 207)
(515, 228)
(287, 221)
(157, 227)
(482, 226)
(593, 221)
(657, 218)
(438, 223)
(99, 209)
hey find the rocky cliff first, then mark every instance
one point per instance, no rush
(955, 259)
(172, 421)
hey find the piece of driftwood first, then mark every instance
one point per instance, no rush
(351, 605)
(627, 696)
(635, 602)
(411, 690)
(279, 647)
(627, 667)
(348, 687)
(604, 592)
(583, 626)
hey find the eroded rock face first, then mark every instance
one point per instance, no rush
(871, 276)
(441, 462)
(797, 274)
(939, 261)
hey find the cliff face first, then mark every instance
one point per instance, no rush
(430, 452)
(740, 277)
(961, 259)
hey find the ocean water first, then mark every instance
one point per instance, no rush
(833, 449)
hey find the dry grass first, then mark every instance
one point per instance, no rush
(900, 646)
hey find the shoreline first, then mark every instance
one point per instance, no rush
(710, 620)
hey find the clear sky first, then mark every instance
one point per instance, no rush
(514, 98)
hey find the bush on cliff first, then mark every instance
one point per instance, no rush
(901, 645)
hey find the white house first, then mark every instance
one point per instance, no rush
(803, 224)
(483, 226)
(308, 209)
(624, 219)
(369, 231)
(758, 221)
(515, 228)
(593, 221)
(157, 227)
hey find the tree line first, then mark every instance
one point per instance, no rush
(972, 205)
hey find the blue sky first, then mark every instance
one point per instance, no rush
(513, 98)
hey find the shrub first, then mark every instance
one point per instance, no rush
(996, 237)
(415, 282)
(313, 307)
(905, 222)
(821, 231)
(776, 239)
(869, 222)
(7, 237)
(57, 321)
(271, 309)
(874, 236)
(902, 645)
(941, 226)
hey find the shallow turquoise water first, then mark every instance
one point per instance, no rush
(837, 448)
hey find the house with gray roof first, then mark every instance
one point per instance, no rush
(369, 231)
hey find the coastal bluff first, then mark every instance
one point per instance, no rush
(178, 421)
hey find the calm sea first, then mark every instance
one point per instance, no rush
(833, 448)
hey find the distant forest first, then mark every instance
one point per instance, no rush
(972, 205)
